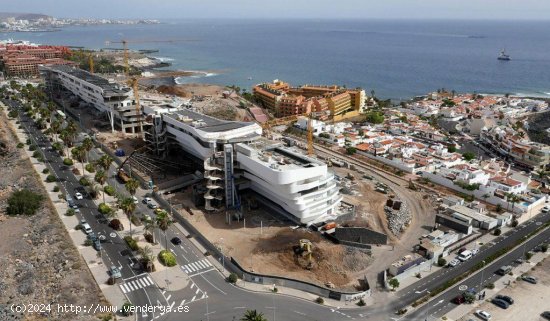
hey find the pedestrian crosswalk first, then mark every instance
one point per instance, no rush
(196, 266)
(130, 285)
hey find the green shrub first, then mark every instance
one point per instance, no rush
(13, 114)
(104, 209)
(232, 278)
(68, 162)
(320, 300)
(490, 286)
(361, 302)
(24, 202)
(84, 181)
(497, 232)
(45, 171)
(28, 141)
(127, 309)
(70, 212)
(36, 154)
(90, 168)
(528, 255)
(20, 145)
(109, 190)
(51, 178)
(57, 146)
(167, 258)
(56, 189)
(32, 147)
(441, 262)
(544, 247)
(132, 244)
(87, 242)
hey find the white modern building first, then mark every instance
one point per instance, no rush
(111, 98)
(235, 158)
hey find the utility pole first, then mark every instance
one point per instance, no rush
(482, 271)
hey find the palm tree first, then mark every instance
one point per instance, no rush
(164, 221)
(79, 154)
(66, 138)
(101, 178)
(128, 206)
(147, 258)
(93, 190)
(131, 186)
(55, 126)
(253, 315)
(104, 162)
(87, 144)
(150, 227)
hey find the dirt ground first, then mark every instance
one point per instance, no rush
(271, 244)
(530, 300)
(38, 262)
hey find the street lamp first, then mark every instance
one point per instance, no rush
(482, 271)
(223, 255)
(427, 309)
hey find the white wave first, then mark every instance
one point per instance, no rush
(163, 59)
(197, 74)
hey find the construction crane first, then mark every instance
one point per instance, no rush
(134, 83)
(91, 63)
(310, 150)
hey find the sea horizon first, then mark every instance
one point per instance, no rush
(397, 58)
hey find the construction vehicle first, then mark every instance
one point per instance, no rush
(304, 250)
(122, 176)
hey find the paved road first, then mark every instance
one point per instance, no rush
(215, 299)
(115, 251)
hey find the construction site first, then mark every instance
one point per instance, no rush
(268, 203)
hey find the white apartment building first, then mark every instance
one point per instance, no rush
(111, 98)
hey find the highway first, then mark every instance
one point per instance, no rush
(210, 297)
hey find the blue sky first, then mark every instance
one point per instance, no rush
(385, 9)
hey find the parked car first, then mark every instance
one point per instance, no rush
(475, 251)
(86, 228)
(146, 200)
(135, 199)
(78, 196)
(453, 263)
(528, 278)
(506, 298)
(546, 315)
(519, 261)
(152, 205)
(176, 240)
(545, 209)
(500, 303)
(483, 315)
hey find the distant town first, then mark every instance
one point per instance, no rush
(16, 22)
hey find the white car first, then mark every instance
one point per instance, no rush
(484, 315)
(475, 251)
(135, 199)
(453, 263)
(78, 196)
(146, 200)
(546, 209)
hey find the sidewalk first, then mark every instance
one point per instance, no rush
(113, 294)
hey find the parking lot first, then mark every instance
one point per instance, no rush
(530, 300)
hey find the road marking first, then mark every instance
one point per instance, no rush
(124, 289)
(196, 274)
(301, 313)
(182, 302)
(168, 297)
(172, 305)
(197, 292)
(193, 299)
(192, 285)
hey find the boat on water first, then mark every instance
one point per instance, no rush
(503, 55)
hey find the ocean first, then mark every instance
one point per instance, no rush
(397, 59)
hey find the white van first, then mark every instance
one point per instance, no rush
(465, 255)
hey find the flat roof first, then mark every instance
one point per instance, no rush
(204, 122)
(466, 211)
(107, 86)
